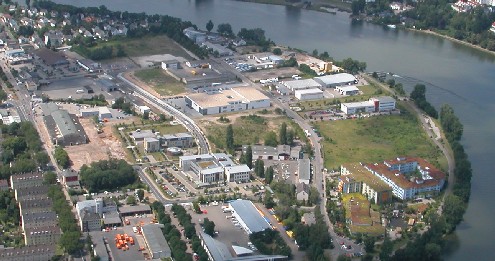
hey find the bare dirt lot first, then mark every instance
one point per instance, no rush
(100, 147)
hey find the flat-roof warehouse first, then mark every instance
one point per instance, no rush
(248, 216)
(156, 242)
(235, 99)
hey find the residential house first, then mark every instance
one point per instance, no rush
(302, 192)
(41, 219)
(28, 253)
(26, 180)
(54, 38)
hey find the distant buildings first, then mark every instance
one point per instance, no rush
(235, 99)
(153, 141)
(215, 167)
(378, 104)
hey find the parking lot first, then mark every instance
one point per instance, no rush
(284, 170)
(118, 254)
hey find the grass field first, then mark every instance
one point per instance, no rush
(247, 130)
(160, 81)
(147, 45)
(375, 139)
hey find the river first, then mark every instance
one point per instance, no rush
(456, 74)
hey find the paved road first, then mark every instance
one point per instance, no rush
(178, 116)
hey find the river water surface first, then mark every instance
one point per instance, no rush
(454, 74)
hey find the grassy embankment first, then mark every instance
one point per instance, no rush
(160, 81)
(375, 139)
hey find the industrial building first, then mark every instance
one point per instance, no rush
(155, 241)
(171, 64)
(218, 251)
(334, 80)
(210, 168)
(235, 99)
(309, 94)
(304, 170)
(355, 178)
(249, 216)
(106, 84)
(302, 84)
(50, 58)
(347, 90)
(64, 128)
(200, 74)
(221, 50)
(89, 65)
(102, 112)
(141, 209)
(378, 104)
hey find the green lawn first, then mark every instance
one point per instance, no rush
(160, 81)
(375, 139)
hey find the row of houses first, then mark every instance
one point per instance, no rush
(38, 221)
(405, 178)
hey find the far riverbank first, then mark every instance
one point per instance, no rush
(322, 6)
(430, 32)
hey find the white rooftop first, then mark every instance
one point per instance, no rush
(309, 91)
(302, 84)
(336, 78)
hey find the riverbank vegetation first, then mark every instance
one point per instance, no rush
(471, 26)
(429, 246)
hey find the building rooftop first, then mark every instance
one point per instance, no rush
(361, 174)
(111, 218)
(39, 217)
(358, 104)
(151, 139)
(142, 134)
(347, 88)
(302, 187)
(37, 190)
(384, 99)
(177, 136)
(155, 239)
(29, 252)
(36, 203)
(238, 168)
(309, 91)
(43, 230)
(302, 84)
(217, 250)
(26, 176)
(226, 97)
(250, 215)
(336, 78)
(50, 57)
(304, 169)
(132, 209)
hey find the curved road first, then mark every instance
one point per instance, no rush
(190, 125)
